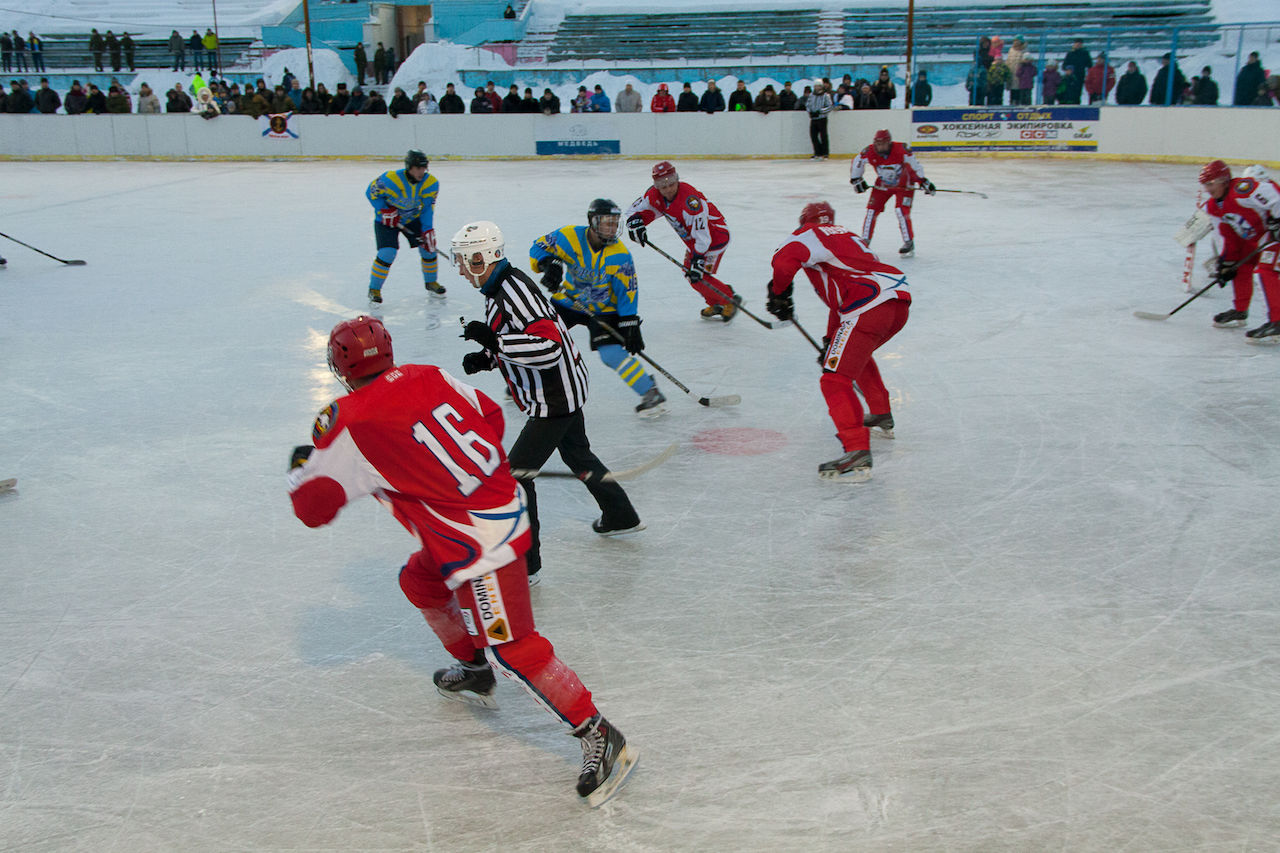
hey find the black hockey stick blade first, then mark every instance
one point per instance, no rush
(768, 324)
(612, 476)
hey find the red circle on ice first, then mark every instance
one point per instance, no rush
(740, 441)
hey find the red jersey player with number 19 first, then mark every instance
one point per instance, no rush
(699, 224)
(868, 303)
(897, 173)
(430, 448)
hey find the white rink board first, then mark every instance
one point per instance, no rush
(1049, 622)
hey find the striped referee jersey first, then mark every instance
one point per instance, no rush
(539, 360)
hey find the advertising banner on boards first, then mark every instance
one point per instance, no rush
(1005, 129)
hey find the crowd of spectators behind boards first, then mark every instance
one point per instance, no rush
(995, 77)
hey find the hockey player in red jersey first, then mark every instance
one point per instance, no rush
(1241, 208)
(429, 448)
(699, 224)
(897, 174)
(868, 303)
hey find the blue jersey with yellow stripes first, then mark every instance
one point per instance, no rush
(601, 282)
(414, 201)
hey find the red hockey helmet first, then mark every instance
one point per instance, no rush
(664, 170)
(1217, 170)
(359, 348)
(882, 136)
(817, 213)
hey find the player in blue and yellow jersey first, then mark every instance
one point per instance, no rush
(592, 279)
(405, 202)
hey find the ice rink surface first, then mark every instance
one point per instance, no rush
(1050, 622)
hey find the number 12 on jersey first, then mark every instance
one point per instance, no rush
(481, 453)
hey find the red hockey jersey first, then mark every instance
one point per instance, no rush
(897, 170)
(697, 221)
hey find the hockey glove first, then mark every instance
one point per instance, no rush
(481, 334)
(476, 362)
(300, 455)
(1226, 271)
(552, 275)
(822, 354)
(390, 217)
(859, 185)
(629, 328)
(781, 305)
(927, 186)
(697, 268)
(636, 231)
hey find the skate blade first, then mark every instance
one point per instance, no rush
(623, 531)
(1269, 341)
(654, 411)
(1234, 324)
(436, 294)
(469, 697)
(622, 768)
(883, 433)
(858, 475)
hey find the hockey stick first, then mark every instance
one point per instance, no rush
(71, 263)
(768, 325)
(966, 192)
(807, 336)
(609, 477)
(1213, 280)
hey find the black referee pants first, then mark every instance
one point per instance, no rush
(534, 446)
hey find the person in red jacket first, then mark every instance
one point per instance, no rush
(429, 448)
(1099, 80)
(662, 101)
(868, 302)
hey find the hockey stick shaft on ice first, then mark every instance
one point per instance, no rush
(609, 477)
(71, 263)
(767, 324)
(966, 192)
(1213, 281)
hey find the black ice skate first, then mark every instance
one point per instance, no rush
(853, 467)
(467, 682)
(606, 760)
(908, 249)
(3, 263)
(1230, 319)
(614, 528)
(375, 296)
(1267, 333)
(883, 423)
(651, 403)
(435, 288)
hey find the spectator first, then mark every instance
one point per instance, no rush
(998, 77)
(322, 97)
(1205, 92)
(392, 65)
(712, 100)
(976, 81)
(124, 92)
(356, 103)
(511, 103)
(127, 45)
(177, 101)
(1268, 92)
(210, 42)
(97, 45)
(400, 104)
(510, 14)
(767, 100)
(97, 101)
(1100, 80)
(19, 52)
(374, 105)
(1251, 76)
(428, 106)
(35, 44)
(600, 101)
(819, 106)
(6, 51)
(361, 61)
(287, 79)
(1022, 79)
(195, 44)
(206, 105)
(338, 104)
(740, 98)
(1160, 85)
(19, 101)
(529, 104)
(77, 101)
(863, 97)
(1077, 59)
(495, 100)
(688, 102)
(450, 102)
(549, 104)
(481, 104)
(883, 89)
(1070, 89)
(113, 49)
(148, 103)
(921, 92)
(1132, 86)
(281, 102)
(178, 48)
(1050, 80)
(629, 100)
(294, 91)
(47, 100)
(786, 97)
(116, 102)
(380, 64)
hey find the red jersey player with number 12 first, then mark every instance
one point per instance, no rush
(897, 173)
(430, 448)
